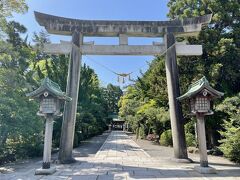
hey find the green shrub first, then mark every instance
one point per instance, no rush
(142, 134)
(190, 139)
(231, 128)
(34, 150)
(166, 138)
(215, 151)
(231, 143)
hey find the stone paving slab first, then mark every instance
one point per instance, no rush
(120, 158)
(120, 145)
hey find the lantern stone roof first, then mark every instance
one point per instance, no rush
(198, 86)
(50, 86)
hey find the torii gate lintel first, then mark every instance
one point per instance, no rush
(106, 28)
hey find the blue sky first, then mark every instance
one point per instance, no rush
(101, 10)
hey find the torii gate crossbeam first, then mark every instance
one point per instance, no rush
(135, 50)
(122, 29)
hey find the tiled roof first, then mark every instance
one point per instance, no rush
(50, 86)
(199, 86)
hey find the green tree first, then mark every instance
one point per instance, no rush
(142, 112)
(230, 144)
(7, 8)
(155, 118)
(20, 128)
(220, 40)
(219, 61)
(153, 83)
(92, 109)
(112, 95)
(21, 69)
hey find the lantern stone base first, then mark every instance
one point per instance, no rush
(205, 170)
(42, 171)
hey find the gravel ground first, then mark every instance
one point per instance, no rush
(155, 150)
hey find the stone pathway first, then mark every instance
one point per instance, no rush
(121, 158)
(119, 145)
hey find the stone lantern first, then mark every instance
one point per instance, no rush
(200, 96)
(51, 97)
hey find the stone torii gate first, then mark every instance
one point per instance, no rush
(122, 29)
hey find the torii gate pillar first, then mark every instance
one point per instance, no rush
(176, 116)
(70, 108)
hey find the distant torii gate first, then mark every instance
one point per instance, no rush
(122, 29)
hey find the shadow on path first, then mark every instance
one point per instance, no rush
(90, 147)
(105, 170)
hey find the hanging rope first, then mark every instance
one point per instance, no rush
(122, 76)
(105, 67)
